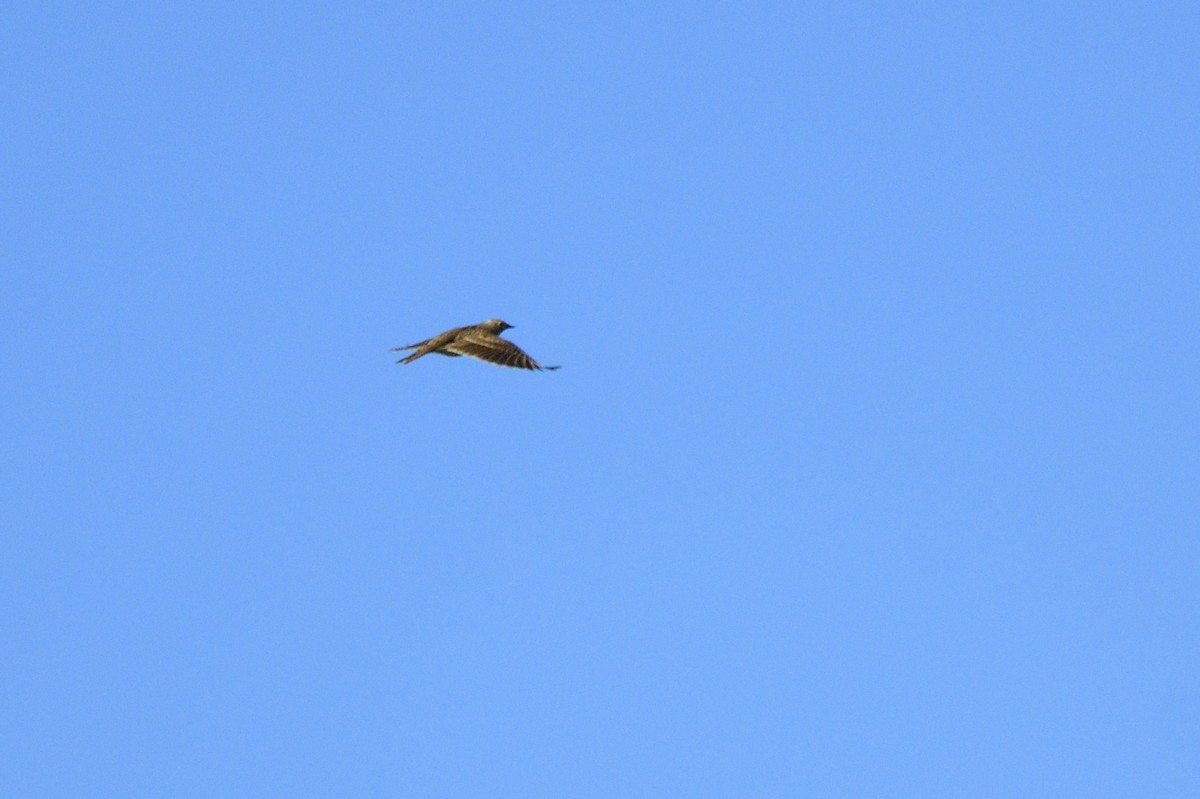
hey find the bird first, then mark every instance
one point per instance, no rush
(481, 341)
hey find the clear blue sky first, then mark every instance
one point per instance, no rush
(872, 468)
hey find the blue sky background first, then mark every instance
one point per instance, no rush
(871, 469)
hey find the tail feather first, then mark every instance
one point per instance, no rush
(412, 357)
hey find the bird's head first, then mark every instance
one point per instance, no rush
(495, 325)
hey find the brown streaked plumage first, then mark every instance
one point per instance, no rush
(481, 341)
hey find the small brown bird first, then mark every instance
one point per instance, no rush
(481, 341)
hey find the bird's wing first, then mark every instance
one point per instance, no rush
(493, 349)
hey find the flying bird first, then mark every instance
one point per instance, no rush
(481, 341)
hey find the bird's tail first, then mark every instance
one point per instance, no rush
(412, 357)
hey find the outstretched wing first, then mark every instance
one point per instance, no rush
(493, 349)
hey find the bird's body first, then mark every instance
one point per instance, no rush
(481, 341)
